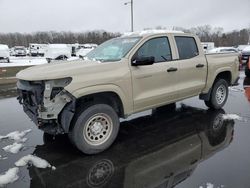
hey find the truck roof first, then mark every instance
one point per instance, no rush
(149, 32)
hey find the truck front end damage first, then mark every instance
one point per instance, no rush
(45, 102)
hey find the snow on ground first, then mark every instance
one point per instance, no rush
(13, 148)
(73, 58)
(232, 117)
(34, 160)
(3, 158)
(16, 135)
(236, 89)
(24, 61)
(210, 185)
(9, 176)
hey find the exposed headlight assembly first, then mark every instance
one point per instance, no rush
(54, 87)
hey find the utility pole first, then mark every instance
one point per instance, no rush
(132, 13)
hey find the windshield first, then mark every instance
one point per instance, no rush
(112, 50)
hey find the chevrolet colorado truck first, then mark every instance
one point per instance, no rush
(122, 76)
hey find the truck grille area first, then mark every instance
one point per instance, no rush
(30, 95)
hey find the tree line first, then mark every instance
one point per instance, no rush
(206, 33)
(217, 35)
(24, 39)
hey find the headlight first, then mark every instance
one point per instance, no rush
(56, 86)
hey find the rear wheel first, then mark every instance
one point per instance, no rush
(95, 128)
(219, 94)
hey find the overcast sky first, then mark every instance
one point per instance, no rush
(113, 15)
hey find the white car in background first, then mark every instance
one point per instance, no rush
(20, 51)
(4, 53)
(222, 50)
(85, 49)
(57, 52)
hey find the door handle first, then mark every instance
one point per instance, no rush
(172, 69)
(200, 65)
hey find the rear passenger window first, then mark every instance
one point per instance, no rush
(158, 48)
(187, 47)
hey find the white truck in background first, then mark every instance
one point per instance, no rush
(4, 53)
(37, 49)
(57, 52)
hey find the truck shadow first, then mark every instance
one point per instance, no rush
(160, 149)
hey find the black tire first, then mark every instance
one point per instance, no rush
(219, 94)
(95, 128)
(247, 71)
(208, 104)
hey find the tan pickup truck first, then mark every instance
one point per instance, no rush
(125, 75)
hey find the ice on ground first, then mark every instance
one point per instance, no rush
(34, 160)
(13, 148)
(73, 58)
(208, 185)
(9, 176)
(16, 135)
(3, 158)
(232, 117)
(237, 89)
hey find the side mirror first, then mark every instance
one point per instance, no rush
(140, 61)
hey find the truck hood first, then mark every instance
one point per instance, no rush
(60, 70)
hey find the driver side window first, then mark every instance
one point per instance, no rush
(158, 48)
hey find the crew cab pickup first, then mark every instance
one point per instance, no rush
(122, 76)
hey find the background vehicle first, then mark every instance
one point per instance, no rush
(241, 47)
(57, 52)
(4, 53)
(222, 50)
(84, 49)
(245, 54)
(123, 76)
(19, 51)
(207, 46)
(37, 49)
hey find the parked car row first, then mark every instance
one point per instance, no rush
(49, 51)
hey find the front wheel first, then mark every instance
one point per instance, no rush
(219, 94)
(95, 128)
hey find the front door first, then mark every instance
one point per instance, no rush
(154, 84)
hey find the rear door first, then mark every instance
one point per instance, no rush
(154, 84)
(192, 70)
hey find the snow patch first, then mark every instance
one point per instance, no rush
(210, 185)
(73, 58)
(13, 148)
(16, 135)
(3, 158)
(34, 160)
(236, 89)
(232, 117)
(9, 176)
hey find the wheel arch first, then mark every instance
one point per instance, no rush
(226, 75)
